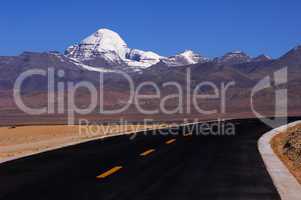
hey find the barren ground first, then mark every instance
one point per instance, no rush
(24, 140)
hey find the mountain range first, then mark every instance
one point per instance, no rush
(105, 51)
(105, 48)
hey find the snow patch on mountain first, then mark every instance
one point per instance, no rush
(141, 58)
(234, 57)
(90, 68)
(187, 57)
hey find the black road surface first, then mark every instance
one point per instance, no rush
(173, 167)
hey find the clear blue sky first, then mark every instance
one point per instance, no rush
(210, 27)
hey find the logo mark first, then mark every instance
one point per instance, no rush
(281, 100)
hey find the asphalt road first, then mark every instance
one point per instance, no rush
(147, 167)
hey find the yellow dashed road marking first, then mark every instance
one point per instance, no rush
(109, 172)
(170, 141)
(187, 134)
(147, 152)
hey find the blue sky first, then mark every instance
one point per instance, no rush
(210, 27)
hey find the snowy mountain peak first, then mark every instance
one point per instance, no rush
(108, 47)
(104, 42)
(234, 57)
(187, 57)
(142, 59)
(187, 53)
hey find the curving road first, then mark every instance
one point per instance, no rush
(148, 167)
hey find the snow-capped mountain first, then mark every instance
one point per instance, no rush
(103, 42)
(108, 47)
(187, 57)
(105, 48)
(234, 57)
(138, 58)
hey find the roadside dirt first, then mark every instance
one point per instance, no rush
(287, 146)
(23, 140)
